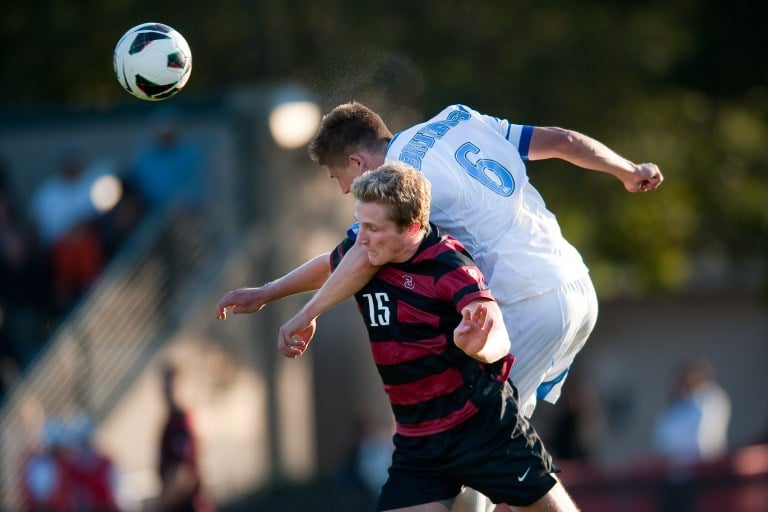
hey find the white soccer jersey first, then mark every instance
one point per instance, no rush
(481, 195)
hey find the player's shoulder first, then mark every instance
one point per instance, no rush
(451, 244)
(459, 109)
(453, 267)
(445, 249)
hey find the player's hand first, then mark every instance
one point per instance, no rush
(472, 332)
(646, 177)
(242, 300)
(294, 336)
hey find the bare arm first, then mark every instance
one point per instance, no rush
(584, 151)
(306, 277)
(350, 276)
(481, 333)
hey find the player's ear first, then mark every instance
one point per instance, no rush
(414, 228)
(357, 160)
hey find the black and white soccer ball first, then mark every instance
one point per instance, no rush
(152, 61)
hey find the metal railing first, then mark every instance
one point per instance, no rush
(106, 341)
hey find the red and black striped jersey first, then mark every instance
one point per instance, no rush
(410, 310)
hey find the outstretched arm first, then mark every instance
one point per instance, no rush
(586, 152)
(481, 334)
(350, 276)
(304, 278)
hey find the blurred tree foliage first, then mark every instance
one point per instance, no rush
(682, 84)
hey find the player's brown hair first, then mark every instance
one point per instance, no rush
(348, 128)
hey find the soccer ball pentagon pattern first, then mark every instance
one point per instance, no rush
(152, 61)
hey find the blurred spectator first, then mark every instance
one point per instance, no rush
(66, 223)
(178, 465)
(13, 245)
(366, 469)
(168, 173)
(92, 473)
(374, 455)
(46, 486)
(694, 426)
(67, 473)
(579, 423)
(118, 223)
(168, 170)
(23, 291)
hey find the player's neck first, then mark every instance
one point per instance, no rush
(410, 249)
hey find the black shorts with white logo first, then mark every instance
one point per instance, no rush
(494, 452)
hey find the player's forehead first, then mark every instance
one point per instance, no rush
(342, 170)
(337, 160)
(334, 171)
(373, 214)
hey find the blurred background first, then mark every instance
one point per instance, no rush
(112, 358)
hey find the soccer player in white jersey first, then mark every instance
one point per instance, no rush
(482, 196)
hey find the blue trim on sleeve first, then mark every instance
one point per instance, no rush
(352, 231)
(525, 141)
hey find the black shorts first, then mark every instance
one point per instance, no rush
(494, 452)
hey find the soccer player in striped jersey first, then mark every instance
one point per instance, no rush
(442, 351)
(481, 195)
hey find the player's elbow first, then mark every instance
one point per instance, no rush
(495, 348)
(501, 347)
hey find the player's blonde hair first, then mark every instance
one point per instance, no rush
(401, 188)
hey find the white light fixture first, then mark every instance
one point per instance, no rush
(106, 192)
(294, 118)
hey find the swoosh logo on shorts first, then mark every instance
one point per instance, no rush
(522, 477)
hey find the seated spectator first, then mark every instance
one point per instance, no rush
(168, 169)
(67, 473)
(578, 423)
(66, 223)
(92, 473)
(694, 426)
(23, 290)
(119, 222)
(46, 484)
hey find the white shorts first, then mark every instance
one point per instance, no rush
(547, 331)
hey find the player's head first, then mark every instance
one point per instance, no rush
(347, 129)
(392, 208)
(351, 139)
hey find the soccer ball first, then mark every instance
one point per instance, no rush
(152, 61)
